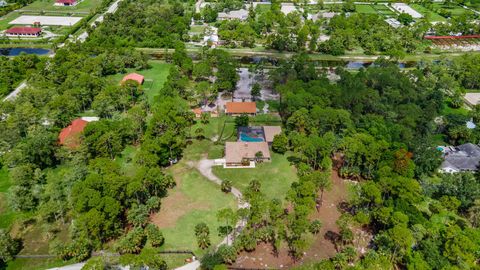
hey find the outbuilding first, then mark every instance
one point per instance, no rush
(66, 3)
(21, 31)
(133, 77)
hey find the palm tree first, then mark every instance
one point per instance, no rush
(202, 232)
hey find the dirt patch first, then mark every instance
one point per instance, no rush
(321, 247)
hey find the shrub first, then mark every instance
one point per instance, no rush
(154, 235)
(133, 242)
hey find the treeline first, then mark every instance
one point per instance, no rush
(145, 23)
(85, 186)
(15, 70)
(377, 126)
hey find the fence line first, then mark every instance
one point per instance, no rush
(101, 253)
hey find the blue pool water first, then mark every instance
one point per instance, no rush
(18, 51)
(245, 138)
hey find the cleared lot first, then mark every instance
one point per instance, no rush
(46, 20)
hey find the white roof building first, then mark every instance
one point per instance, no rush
(3, 3)
(241, 14)
(393, 22)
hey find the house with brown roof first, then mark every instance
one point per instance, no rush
(239, 108)
(238, 154)
(134, 77)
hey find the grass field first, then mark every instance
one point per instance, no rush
(47, 5)
(275, 177)
(195, 199)
(366, 9)
(35, 263)
(155, 77)
(435, 17)
(454, 9)
(6, 215)
(7, 18)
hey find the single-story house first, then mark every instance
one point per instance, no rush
(198, 112)
(21, 31)
(66, 3)
(239, 108)
(462, 158)
(242, 153)
(3, 3)
(70, 135)
(134, 77)
(240, 14)
(270, 132)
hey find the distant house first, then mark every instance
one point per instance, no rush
(198, 112)
(239, 108)
(393, 22)
(462, 158)
(3, 3)
(70, 135)
(21, 31)
(240, 14)
(243, 153)
(134, 77)
(66, 3)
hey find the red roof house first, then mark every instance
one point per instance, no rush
(65, 2)
(70, 136)
(24, 31)
(237, 108)
(134, 77)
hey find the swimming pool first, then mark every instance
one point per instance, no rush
(246, 138)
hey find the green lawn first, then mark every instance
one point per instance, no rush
(6, 215)
(213, 128)
(8, 18)
(428, 13)
(276, 177)
(35, 264)
(456, 10)
(155, 77)
(47, 5)
(368, 9)
(126, 159)
(195, 199)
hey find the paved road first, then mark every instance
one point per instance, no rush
(82, 37)
(111, 9)
(15, 92)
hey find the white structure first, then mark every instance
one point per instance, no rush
(90, 118)
(3, 3)
(240, 14)
(393, 22)
(288, 8)
(472, 98)
(404, 8)
(46, 20)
